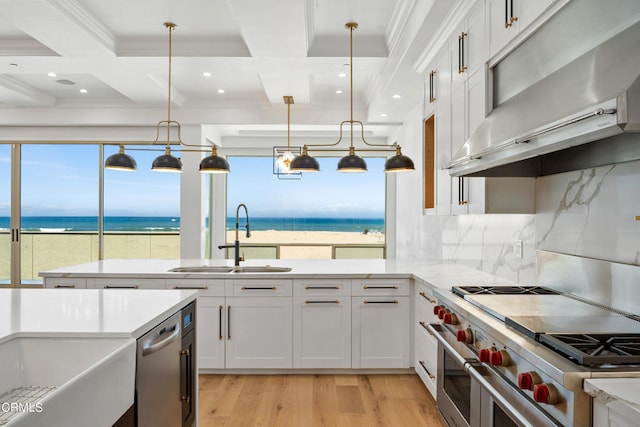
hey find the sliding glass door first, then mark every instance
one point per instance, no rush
(5, 214)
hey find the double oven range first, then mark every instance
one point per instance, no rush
(518, 356)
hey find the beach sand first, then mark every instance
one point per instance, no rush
(46, 251)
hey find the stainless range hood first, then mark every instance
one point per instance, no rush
(583, 113)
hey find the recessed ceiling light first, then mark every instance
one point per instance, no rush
(383, 114)
(338, 91)
(206, 74)
(220, 90)
(52, 74)
(83, 91)
(397, 96)
(342, 74)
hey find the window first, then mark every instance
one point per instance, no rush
(5, 214)
(323, 215)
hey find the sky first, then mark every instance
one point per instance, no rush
(62, 180)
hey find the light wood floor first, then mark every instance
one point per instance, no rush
(315, 400)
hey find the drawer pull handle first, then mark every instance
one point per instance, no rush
(219, 323)
(321, 287)
(380, 287)
(381, 302)
(258, 288)
(322, 302)
(64, 286)
(228, 322)
(431, 376)
(120, 287)
(191, 287)
(432, 301)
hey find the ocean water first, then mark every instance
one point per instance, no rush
(172, 224)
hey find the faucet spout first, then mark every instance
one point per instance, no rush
(237, 241)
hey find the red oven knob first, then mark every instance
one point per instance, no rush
(526, 380)
(450, 319)
(545, 393)
(499, 358)
(436, 309)
(484, 355)
(465, 336)
(442, 312)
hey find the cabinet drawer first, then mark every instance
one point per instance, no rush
(207, 287)
(65, 283)
(259, 287)
(426, 358)
(133, 283)
(364, 287)
(424, 304)
(321, 287)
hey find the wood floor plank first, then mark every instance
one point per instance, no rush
(315, 400)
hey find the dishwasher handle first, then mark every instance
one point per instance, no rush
(156, 344)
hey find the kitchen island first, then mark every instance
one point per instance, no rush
(75, 352)
(320, 315)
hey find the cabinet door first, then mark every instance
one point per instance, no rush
(210, 332)
(259, 332)
(476, 113)
(65, 283)
(381, 330)
(500, 31)
(527, 11)
(322, 332)
(475, 42)
(458, 137)
(443, 132)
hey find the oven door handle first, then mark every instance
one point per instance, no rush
(437, 330)
(513, 412)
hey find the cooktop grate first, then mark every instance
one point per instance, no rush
(596, 349)
(503, 290)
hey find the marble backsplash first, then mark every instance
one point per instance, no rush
(590, 213)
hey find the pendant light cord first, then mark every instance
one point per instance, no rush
(170, 26)
(351, 26)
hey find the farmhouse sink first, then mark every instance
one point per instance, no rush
(227, 269)
(74, 381)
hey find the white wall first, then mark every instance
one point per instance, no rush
(484, 242)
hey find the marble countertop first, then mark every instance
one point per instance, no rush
(85, 313)
(434, 272)
(621, 394)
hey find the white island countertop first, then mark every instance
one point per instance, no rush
(436, 273)
(86, 313)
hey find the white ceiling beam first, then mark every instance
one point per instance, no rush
(18, 94)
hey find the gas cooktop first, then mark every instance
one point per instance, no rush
(586, 333)
(503, 290)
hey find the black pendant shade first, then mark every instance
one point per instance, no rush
(214, 163)
(352, 163)
(398, 163)
(121, 161)
(304, 163)
(167, 163)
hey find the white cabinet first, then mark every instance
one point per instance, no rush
(508, 18)
(468, 51)
(322, 323)
(381, 324)
(65, 282)
(426, 345)
(259, 324)
(442, 132)
(210, 319)
(119, 283)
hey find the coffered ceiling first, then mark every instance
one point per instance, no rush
(256, 51)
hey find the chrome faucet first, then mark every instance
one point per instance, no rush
(236, 244)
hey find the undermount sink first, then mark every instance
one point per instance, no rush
(66, 381)
(203, 269)
(227, 269)
(260, 269)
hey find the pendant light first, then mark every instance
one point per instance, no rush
(352, 162)
(214, 163)
(283, 160)
(121, 161)
(167, 162)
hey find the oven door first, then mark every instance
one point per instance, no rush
(473, 394)
(458, 396)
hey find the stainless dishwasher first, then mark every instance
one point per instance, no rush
(158, 375)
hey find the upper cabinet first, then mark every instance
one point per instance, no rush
(468, 46)
(508, 18)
